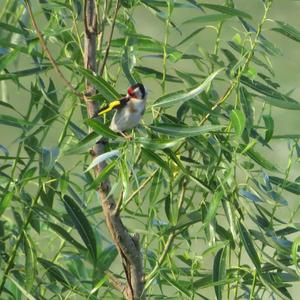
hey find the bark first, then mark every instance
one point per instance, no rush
(127, 245)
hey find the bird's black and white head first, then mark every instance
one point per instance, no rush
(137, 91)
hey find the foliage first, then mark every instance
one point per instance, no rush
(215, 212)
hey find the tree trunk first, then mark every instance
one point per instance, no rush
(128, 246)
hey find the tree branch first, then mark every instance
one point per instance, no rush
(127, 245)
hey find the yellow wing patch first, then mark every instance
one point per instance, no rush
(109, 107)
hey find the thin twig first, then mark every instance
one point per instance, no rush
(50, 57)
(102, 30)
(115, 282)
(142, 186)
(118, 5)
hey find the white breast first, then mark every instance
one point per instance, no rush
(128, 116)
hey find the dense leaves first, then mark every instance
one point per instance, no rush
(209, 180)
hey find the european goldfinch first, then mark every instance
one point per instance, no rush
(130, 109)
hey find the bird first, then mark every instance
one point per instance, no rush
(129, 109)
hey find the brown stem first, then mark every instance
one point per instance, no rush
(110, 38)
(127, 245)
(115, 281)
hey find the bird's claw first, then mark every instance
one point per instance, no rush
(126, 136)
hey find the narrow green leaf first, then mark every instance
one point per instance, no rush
(21, 289)
(127, 3)
(102, 175)
(5, 201)
(128, 62)
(190, 36)
(5, 104)
(238, 121)
(11, 28)
(165, 4)
(163, 16)
(292, 187)
(196, 4)
(77, 131)
(219, 271)
(82, 225)
(182, 96)
(288, 31)
(101, 129)
(287, 136)
(275, 286)
(209, 18)
(56, 272)
(214, 248)
(204, 282)
(248, 110)
(269, 80)
(149, 72)
(269, 123)
(189, 219)
(184, 131)
(22, 73)
(83, 145)
(156, 186)
(14, 122)
(213, 207)
(8, 59)
(289, 105)
(249, 246)
(273, 97)
(227, 10)
(30, 262)
(168, 209)
(157, 144)
(146, 44)
(199, 108)
(178, 284)
(106, 258)
(294, 254)
(269, 47)
(65, 235)
(55, 5)
(150, 155)
(124, 175)
(99, 284)
(258, 158)
(105, 89)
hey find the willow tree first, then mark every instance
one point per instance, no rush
(195, 204)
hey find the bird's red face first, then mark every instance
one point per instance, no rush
(137, 91)
(130, 92)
